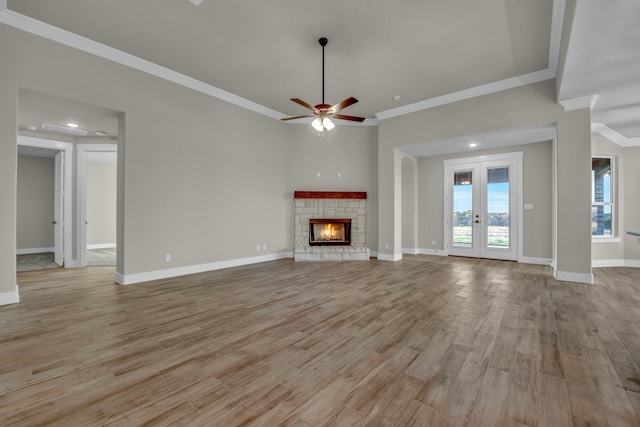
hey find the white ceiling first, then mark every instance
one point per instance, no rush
(268, 52)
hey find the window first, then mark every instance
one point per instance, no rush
(602, 197)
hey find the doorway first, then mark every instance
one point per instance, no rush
(38, 223)
(97, 195)
(482, 208)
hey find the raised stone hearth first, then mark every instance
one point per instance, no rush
(330, 205)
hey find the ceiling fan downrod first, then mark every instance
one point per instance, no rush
(323, 42)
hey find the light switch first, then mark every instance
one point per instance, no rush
(528, 206)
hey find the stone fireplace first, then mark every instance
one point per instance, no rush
(330, 226)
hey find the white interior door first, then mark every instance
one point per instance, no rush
(58, 206)
(482, 208)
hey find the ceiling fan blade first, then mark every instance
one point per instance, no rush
(295, 117)
(301, 102)
(351, 118)
(344, 104)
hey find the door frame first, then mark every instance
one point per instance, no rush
(67, 189)
(517, 156)
(81, 189)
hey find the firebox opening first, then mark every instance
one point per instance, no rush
(326, 232)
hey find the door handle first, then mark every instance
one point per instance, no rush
(477, 221)
(54, 222)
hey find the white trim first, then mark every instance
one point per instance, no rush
(486, 89)
(517, 157)
(130, 279)
(67, 147)
(434, 252)
(579, 103)
(632, 263)
(390, 257)
(28, 251)
(614, 136)
(596, 239)
(411, 251)
(567, 276)
(535, 260)
(600, 263)
(101, 246)
(84, 44)
(12, 297)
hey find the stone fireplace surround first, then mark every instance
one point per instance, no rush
(330, 204)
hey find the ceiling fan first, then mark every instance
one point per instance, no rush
(323, 113)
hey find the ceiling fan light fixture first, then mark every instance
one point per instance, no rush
(327, 123)
(317, 124)
(323, 112)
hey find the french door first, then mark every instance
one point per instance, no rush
(481, 206)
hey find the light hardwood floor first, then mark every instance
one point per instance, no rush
(424, 341)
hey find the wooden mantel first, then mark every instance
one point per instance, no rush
(329, 194)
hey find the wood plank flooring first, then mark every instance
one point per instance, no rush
(424, 341)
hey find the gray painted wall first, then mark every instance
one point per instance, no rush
(523, 106)
(631, 177)
(201, 177)
(101, 202)
(35, 209)
(537, 188)
(350, 151)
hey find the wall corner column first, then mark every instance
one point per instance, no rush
(573, 189)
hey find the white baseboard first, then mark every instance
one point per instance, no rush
(101, 246)
(436, 252)
(597, 263)
(28, 251)
(422, 251)
(567, 276)
(130, 279)
(535, 260)
(12, 297)
(389, 257)
(411, 251)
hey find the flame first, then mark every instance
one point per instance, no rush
(328, 232)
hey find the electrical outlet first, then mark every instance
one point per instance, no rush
(386, 246)
(264, 247)
(167, 258)
(433, 243)
(257, 247)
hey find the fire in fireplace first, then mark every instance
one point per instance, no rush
(329, 231)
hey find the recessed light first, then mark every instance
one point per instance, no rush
(473, 144)
(396, 97)
(72, 125)
(101, 133)
(32, 127)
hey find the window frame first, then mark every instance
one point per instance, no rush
(613, 237)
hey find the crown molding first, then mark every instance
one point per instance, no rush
(84, 44)
(614, 136)
(579, 103)
(555, 37)
(486, 89)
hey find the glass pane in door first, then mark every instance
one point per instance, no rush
(462, 209)
(498, 207)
